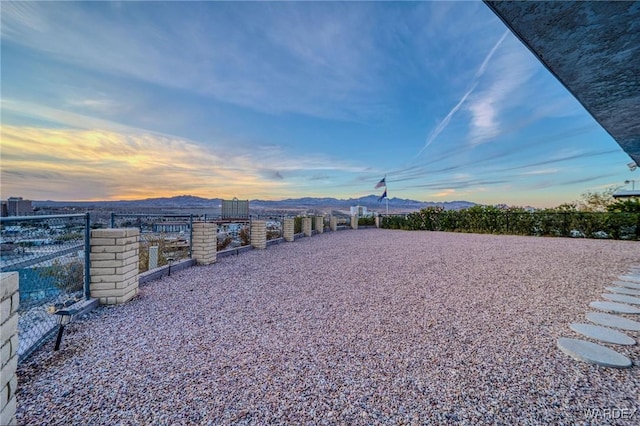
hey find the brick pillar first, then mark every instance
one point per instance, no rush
(320, 224)
(9, 299)
(259, 234)
(204, 243)
(354, 222)
(114, 264)
(334, 223)
(288, 227)
(306, 226)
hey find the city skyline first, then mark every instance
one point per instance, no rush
(123, 101)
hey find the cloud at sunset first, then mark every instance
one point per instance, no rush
(272, 100)
(94, 164)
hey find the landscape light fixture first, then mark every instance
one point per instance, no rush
(170, 261)
(632, 182)
(64, 318)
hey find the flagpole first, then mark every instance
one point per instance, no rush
(387, 197)
(383, 182)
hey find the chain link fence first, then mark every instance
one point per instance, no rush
(274, 225)
(51, 255)
(163, 238)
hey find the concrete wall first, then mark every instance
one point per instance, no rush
(306, 226)
(9, 300)
(288, 229)
(259, 234)
(114, 264)
(204, 243)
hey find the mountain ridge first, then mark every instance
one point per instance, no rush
(185, 201)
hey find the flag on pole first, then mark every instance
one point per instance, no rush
(383, 196)
(382, 183)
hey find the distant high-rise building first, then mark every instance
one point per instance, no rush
(235, 209)
(359, 211)
(16, 206)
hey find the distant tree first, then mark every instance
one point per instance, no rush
(596, 201)
(567, 207)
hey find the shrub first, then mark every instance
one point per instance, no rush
(245, 235)
(161, 243)
(67, 276)
(221, 245)
(175, 249)
(366, 221)
(561, 222)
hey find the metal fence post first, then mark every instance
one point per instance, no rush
(190, 235)
(87, 257)
(113, 220)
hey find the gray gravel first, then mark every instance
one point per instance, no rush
(354, 327)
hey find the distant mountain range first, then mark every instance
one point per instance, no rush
(370, 202)
(307, 203)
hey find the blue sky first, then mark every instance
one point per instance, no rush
(273, 100)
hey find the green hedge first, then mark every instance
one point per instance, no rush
(518, 221)
(366, 221)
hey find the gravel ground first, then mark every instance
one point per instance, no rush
(354, 327)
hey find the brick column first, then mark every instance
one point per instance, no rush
(204, 243)
(288, 227)
(320, 224)
(259, 234)
(114, 264)
(306, 226)
(334, 223)
(354, 222)
(9, 300)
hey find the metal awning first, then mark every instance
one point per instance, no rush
(627, 194)
(593, 48)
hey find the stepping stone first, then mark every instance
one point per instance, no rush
(622, 298)
(593, 353)
(632, 278)
(603, 334)
(620, 308)
(613, 321)
(627, 284)
(623, 290)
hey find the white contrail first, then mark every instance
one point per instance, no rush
(483, 67)
(445, 122)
